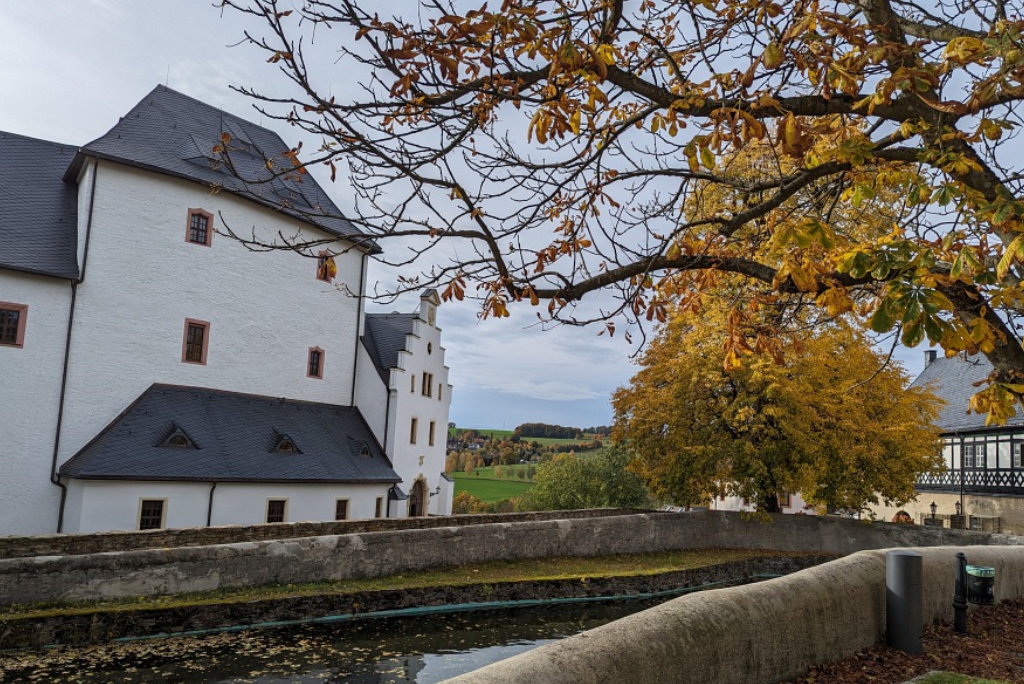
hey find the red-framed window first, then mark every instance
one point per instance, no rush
(13, 318)
(199, 229)
(196, 342)
(315, 363)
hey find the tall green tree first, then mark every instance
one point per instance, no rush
(571, 481)
(834, 422)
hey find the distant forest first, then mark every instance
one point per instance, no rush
(559, 431)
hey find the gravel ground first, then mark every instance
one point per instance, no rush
(993, 649)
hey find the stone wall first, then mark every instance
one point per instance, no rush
(80, 544)
(104, 623)
(374, 554)
(1009, 508)
(755, 634)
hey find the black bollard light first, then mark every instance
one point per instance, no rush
(960, 596)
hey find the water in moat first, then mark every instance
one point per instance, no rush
(420, 649)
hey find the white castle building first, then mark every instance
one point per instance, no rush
(155, 372)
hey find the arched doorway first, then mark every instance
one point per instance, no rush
(418, 499)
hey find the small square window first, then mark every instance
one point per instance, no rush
(13, 318)
(276, 510)
(196, 341)
(341, 509)
(325, 267)
(315, 363)
(200, 227)
(412, 431)
(151, 514)
(785, 500)
(378, 511)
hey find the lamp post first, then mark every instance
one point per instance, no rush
(934, 508)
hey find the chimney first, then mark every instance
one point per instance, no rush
(929, 356)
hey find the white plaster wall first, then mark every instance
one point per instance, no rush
(29, 395)
(246, 504)
(371, 394)
(442, 503)
(735, 503)
(406, 405)
(100, 506)
(143, 280)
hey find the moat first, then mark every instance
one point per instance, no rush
(419, 649)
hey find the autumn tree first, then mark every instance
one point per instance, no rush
(562, 148)
(833, 423)
(589, 481)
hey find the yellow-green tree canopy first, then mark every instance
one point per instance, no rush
(834, 423)
(565, 147)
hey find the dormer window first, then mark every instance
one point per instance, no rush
(178, 439)
(200, 227)
(286, 445)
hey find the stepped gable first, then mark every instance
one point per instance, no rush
(232, 437)
(171, 133)
(384, 338)
(38, 210)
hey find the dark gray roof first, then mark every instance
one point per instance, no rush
(171, 133)
(953, 381)
(384, 337)
(235, 436)
(38, 210)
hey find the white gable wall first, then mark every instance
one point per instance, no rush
(412, 461)
(144, 280)
(371, 394)
(29, 395)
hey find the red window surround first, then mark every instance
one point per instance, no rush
(315, 363)
(324, 265)
(199, 227)
(196, 342)
(13, 318)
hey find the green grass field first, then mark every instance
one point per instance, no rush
(486, 488)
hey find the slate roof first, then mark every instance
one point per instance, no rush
(953, 381)
(384, 337)
(38, 210)
(235, 436)
(171, 133)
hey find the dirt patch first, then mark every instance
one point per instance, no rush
(993, 649)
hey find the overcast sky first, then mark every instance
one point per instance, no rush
(72, 67)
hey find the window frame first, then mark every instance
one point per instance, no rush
(163, 513)
(209, 227)
(785, 500)
(321, 266)
(348, 508)
(189, 322)
(430, 432)
(413, 429)
(284, 511)
(973, 462)
(378, 510)
(19, 331)
(320, 363)
(1017, 454)
(427, 384)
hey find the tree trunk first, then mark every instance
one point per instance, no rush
(771, 504)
